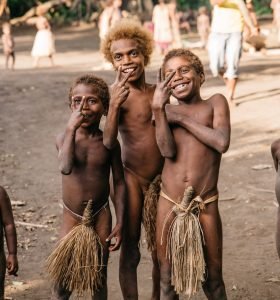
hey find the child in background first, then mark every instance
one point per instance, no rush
(43, 45)
(85, 165)
(163, 35)
(275, 5)
(8, 45)
(7, 226)
(203, 25)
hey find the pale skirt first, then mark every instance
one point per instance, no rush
(43, 43)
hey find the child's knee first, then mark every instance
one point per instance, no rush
(134, 256)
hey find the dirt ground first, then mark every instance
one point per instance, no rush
(34, 109)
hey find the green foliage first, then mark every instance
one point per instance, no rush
(19, 7)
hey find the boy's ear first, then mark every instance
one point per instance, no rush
(202, 78)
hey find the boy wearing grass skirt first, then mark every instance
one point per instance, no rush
(128, 46)
(79, 262)
(192, 137)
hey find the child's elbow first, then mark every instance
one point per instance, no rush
(223, 147)
(109, 144)
(169, 154)
(65, 170)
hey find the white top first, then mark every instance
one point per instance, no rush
(227, 18)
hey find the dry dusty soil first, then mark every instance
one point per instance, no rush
(33, 109)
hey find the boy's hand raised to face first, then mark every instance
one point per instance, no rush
(119, 91)
(76, 118)
(163, 91)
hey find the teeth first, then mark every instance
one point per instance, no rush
(128, 70)
(86, 116)
(180, 86)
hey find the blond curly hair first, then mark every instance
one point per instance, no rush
(128, 29)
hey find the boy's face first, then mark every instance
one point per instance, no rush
(126, 54)
(186, 82)
(93, 108)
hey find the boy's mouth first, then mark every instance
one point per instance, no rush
(129, 70)
(178, 86)
(86, 116)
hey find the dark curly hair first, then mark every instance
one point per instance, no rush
(128, 29)
(101, 87)
(190, 56)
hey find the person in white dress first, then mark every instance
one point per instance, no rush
(43, 45)
(162, 27)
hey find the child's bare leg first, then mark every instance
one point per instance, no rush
(277, 191)
(164, 208)
(103, 227)
(13, 60)
(211, 224)
(130, 254)
(7, 61)
(51, 59)
(2, 269)
(155, 277)
(60, 293)
(68, 222)
(278, 233)
(231, 85)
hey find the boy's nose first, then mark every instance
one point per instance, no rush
(85, 106)
(126, 59)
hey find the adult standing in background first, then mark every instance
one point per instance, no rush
(225, 41)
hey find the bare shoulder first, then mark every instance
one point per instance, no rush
(218, 100)
(275, 149)
(219, 104)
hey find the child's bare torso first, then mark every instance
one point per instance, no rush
(140, 152)
(89, 178)
(195, 164)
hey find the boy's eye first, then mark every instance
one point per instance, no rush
(167, 74)
(185, 70)
(91, 101)
(134, 53)
(117, 57)
(77, 101)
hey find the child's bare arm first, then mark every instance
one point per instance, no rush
(164, 135)
(119, 93)
(66, 144)
(217, 137)
(119, 196)
(246, 16)
(10, 231)
(275, 151)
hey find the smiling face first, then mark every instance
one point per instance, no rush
(186, 82)
(93, 108)
(126, 53)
